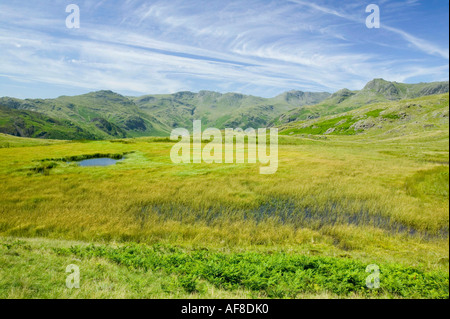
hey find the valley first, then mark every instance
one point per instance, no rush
(365, 186)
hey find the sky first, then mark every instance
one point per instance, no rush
(255, 47)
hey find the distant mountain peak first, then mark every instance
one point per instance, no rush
(103, 93)
(382, 86)
(184, 94)
(343, 92)
(342, 95)
(206, 92)
(299, 98)
(294, 93)
(395, 90)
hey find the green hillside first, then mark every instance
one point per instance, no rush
(222, 110)
(386, 120)
(107, 115)
(377, 90)
(33, 124)
(97, 115)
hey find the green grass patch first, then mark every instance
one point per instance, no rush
(374, 113)
(278, 275)
(391, 116)
(341, 126)
(432, 182)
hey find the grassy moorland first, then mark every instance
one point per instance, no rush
(338, 203)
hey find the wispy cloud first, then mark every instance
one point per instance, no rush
(256, 47)
(420, 44)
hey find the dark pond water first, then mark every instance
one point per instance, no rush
(99, 162)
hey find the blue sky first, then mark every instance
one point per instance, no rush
(256, 47)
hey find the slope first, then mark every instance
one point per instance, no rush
(104, 114)
(222, 110)
(383, 120)
(377, 90)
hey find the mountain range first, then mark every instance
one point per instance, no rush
(108, 115)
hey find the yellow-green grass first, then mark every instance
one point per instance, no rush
(7, 141)
(147, 198)
(369, 199)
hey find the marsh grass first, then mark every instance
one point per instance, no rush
(321, 188)
(288, 212)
